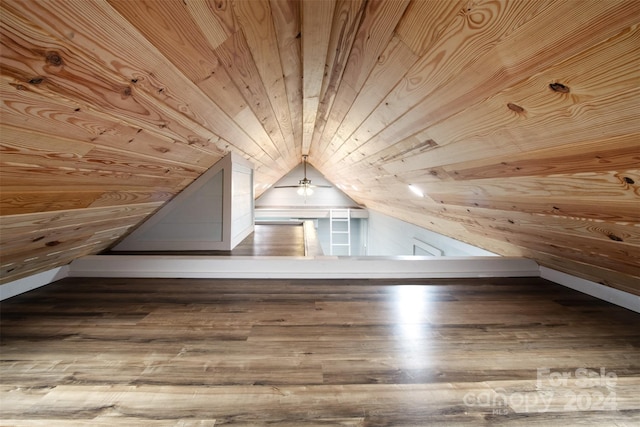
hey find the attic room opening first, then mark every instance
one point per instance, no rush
(218, 211)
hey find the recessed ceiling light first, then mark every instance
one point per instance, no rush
(416, 190)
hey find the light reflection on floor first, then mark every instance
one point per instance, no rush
(412, 304)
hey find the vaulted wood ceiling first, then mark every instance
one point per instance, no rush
(519, 120)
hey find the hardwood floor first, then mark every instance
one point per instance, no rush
(161, 352)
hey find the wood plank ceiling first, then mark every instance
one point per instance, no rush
(519, 120)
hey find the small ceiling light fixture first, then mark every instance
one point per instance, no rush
(305, 190)
(416, 190)
(304, 187)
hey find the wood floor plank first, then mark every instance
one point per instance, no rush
(200, 352)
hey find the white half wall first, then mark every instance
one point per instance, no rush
(322, 267)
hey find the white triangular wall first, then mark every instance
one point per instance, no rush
(276, 197)
(215, 212)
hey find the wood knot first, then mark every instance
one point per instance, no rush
(161, 149)
(126, 91)
(614, 237)
(629, 180)
(559, 87)
(53, 58)
(516, 108)
(429, 143)
(36, 80)
(52, 243)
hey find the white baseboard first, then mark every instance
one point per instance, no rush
(606, 293)
(26, 284)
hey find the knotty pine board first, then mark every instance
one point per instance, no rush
(235, 55)
(52, 237)
(611, 254)
(129, 197)
(169, 27)
(20, 266)
(258, 28)
(614, 118)
(216, 21)
(570, 227)
(548, 129)
(96, 159)
(607, 69)
(616, 186)
(474, 31)
(453, 90)
(376, 30)
(38, 176)
(70, 78)
(549, 119)
(26, 200)
(391, 64)
(36, 116)
(38, 242)
(204, 119)
(622, 212)
(589, 271)
(425, 22)
(617, 153)
(286, 20)
(367, 53)
(346, 22)
(371, 54)
(13, 226)
(347, 16)
(190, 48)
(316, 32)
